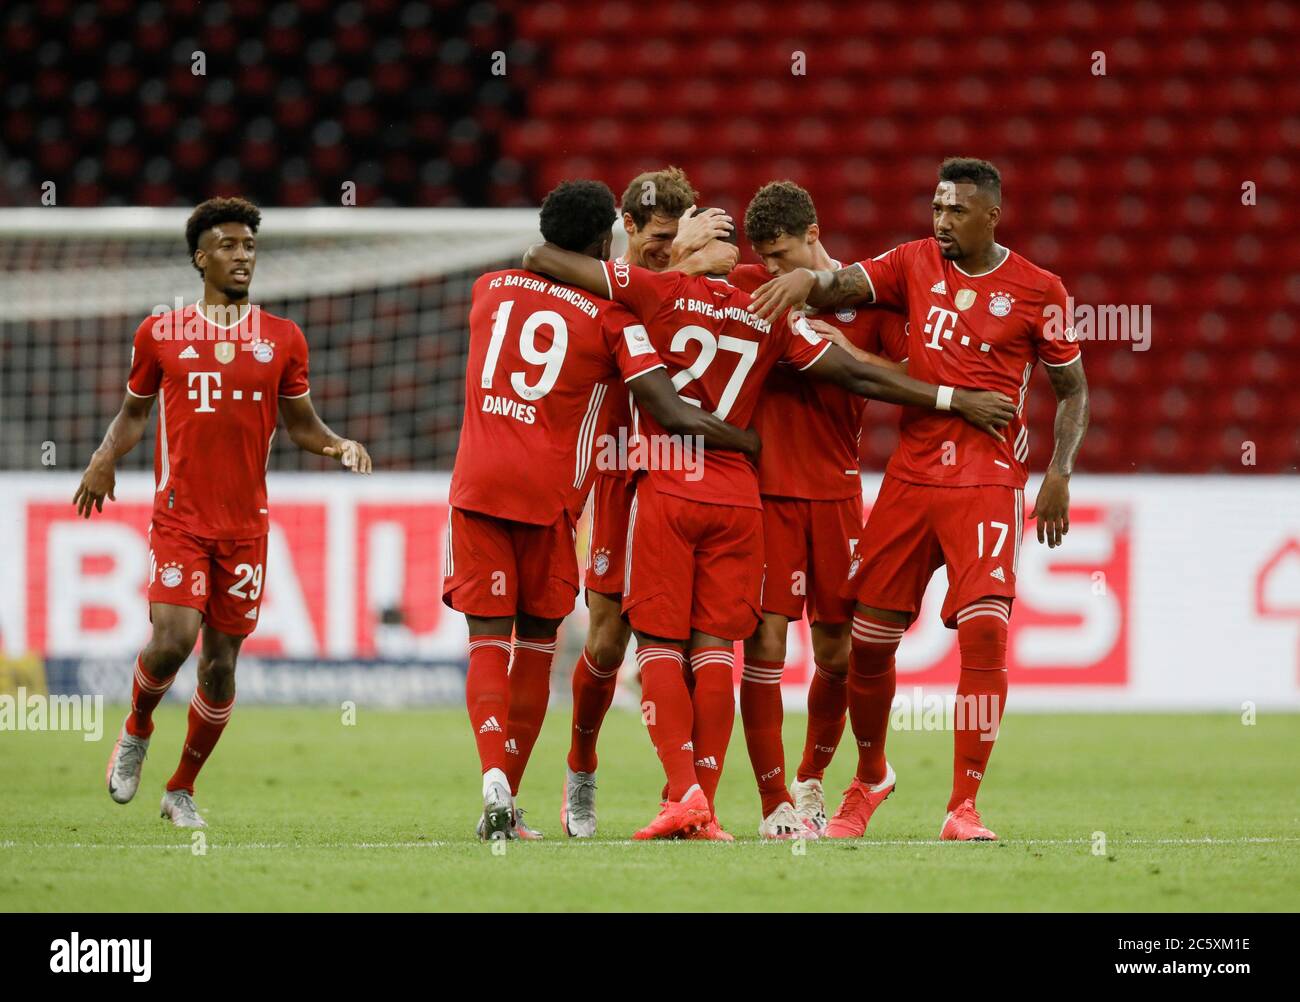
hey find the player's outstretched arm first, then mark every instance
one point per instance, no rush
(1052, 507)
(986, 410)
(654, 391)
(803, 286)
(568, 267)
(124, 434)
(307, 431)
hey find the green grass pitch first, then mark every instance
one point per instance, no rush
(1199, 813)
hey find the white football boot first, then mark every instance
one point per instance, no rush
(178, 805)
(784, 823)
(125, 765)
(810, 803)
(578, 814)
(498, 820)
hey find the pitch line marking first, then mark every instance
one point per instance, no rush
(439, 844)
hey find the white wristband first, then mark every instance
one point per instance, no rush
(943, 400)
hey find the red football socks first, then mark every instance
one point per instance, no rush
(529, 693)
(487, 697)
(208, 719)
(871, 691)
(981, 693)
(146, 693)
(668, 715)
(714, 699)
(828, 702)
(593, 692)
(761, 715)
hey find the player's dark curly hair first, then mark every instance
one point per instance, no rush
(777, 208)
(214, 212)
(666, 192)
(980, 173)
(576, 214)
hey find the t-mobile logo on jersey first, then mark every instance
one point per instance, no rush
(208, 391)
(940, 323)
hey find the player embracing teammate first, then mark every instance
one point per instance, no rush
(812, 518)
(693, 579)
(979, 316)
(546, 361)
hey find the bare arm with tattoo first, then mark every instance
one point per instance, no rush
(803, 286)
(1052, 508)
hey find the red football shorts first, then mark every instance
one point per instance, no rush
(807, 546)
(222, 578)
(692, 566)
(611, 503)
(494, 567)
(913, 529)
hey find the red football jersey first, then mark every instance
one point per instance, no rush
(541, 358)
(218, 394)
(981, 332)
(719, 355)
(810, 428)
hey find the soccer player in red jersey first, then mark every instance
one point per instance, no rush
(221, 370)
(694, 568)
(652, 205)
(541, 355)
(812, 519)
(980, 315)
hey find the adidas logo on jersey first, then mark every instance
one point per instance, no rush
(940, 288)
(189, 352)
(511, 747)
(689, 746)
(997, 575)
(708, 762)
(251, 614)
(489, 725)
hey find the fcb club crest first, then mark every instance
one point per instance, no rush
(600, 562)
(1000, 304)
(964, 299)
(225, 352)
(263, 351)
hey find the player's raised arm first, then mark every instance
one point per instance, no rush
(803, 286)
(1052, 507)
(307, 431)
(984, 409)
(654, 391)
(124, 434)
(568, 267)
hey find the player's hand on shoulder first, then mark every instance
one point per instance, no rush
(985, 409)
(785, 292)
(99, 481)
(829, 332)
(352, 455)
(1052, 509)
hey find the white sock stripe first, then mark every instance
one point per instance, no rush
(727, 661)
(534, 645)
(150, 684)
(868, 638)
(478, 645)
(208, 712)
(764, 669)
(884, 629)
(760, 681)
(990, 613)
(830, 676)
(645, 654)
